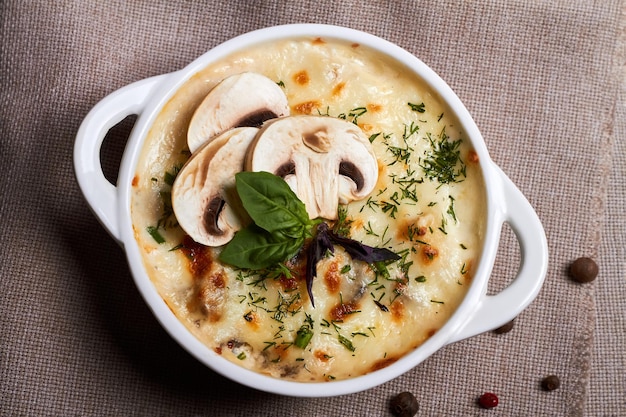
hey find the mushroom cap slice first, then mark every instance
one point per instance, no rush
(204, 197)
(246, 99)
(324, 160)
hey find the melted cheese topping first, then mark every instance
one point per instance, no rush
(365, 316)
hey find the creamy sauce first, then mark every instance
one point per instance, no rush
(365, 316)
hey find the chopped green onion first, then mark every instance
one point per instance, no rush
(303, 337)
(154, 232)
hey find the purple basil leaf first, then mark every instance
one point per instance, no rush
(362, 252)
(318, 248)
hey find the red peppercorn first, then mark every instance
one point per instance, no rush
(488, 400)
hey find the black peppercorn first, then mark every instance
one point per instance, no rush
(404, 405)
(550, 383)
(583, 270)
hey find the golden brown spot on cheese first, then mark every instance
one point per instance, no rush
(332, 278)
(218, 350)
(307, 107)
(429, 254)
(400, 287)
(472, 157)
(397, 310)
(357, 224)
(297, 266)
(302, 77)
(383, 363)
(199, 256)
(410, 230)
(252, 319)
(288, 283)
(366, 127)
(431, 332)
(210, 296)
(355, 45)
(135, 180)
(374, 108)
(337, 89)
(296, 305)
(340, 311)
(217, 280)
(321, 355)
(318, 41)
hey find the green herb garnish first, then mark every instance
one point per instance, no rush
(443, 161)
(420, 108)
(353, 114)
(154, 232)
(346, 343)
(303, 337)
(450, 210)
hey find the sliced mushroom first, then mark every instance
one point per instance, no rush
(246, 99)
(204, 198)
(324, 160)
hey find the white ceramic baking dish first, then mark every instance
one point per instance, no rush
(477, 313)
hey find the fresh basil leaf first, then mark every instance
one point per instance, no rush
(256, 248)
(294, 232)
(270, 202)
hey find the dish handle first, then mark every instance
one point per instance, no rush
(100, 194)
(495, 310)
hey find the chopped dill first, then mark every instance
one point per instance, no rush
(343, 223)
(450, 210)
(443, 161)
(353, 115)
(420, 108)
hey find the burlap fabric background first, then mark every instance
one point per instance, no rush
(545, 83)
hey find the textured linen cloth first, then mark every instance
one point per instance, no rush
(545, 82)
